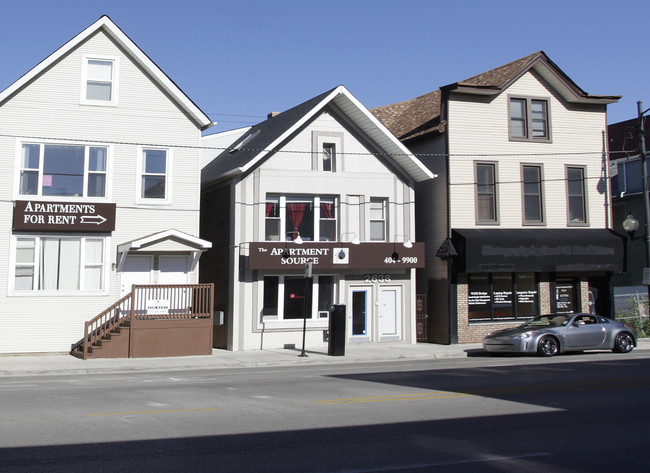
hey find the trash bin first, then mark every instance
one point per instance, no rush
(336, 346)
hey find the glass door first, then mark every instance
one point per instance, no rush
(359, 312)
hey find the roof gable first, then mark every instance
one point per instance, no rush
(265, 138)
(425, 114)
(106, 25)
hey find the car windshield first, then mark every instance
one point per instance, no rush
(552, 320)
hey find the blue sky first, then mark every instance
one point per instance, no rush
(239, 61)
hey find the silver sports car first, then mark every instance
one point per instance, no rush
(548, 335)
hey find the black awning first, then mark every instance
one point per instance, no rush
(538, 250)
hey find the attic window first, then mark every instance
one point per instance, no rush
(244, 142)
(99, 81)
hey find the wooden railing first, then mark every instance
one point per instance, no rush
(149, 302)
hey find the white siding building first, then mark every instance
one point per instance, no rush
(100, 177)
(322, 183)
(518, 223)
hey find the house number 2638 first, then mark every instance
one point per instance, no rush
(377, 277)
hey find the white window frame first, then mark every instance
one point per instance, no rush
(83, 265)
(315, 314)
(87, 171)
(115, 60)
(384, 203)
(319, 141)
(139, 199)
(313, 200)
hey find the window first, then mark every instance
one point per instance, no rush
(285, 297)
(329, 157)
(486, 196)
(377, 219)
(502, 296)
(629, 178)
(63, 170)
(577, 206)
(529, 119)
(314, 218)
(532, 194)
(154, 174)
(99, 85)
(327, 151)
(327, 219)
(59, 264)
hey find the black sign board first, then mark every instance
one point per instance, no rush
(335, 255)
(30, 215)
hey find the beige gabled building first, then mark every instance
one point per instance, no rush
(518, 221)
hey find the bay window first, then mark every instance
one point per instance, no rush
(52, 263)
(63, 170)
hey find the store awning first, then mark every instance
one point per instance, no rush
(538, 250)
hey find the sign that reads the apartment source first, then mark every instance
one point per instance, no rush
(335, 255)
(30, 215)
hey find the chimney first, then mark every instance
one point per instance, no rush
(273, 114)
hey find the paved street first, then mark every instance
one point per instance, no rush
(582, 412)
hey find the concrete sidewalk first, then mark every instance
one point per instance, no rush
(60, 364)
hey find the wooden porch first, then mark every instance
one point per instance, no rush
(152, 321)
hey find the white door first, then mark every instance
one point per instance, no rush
(390, 300)
(173, 270)
(137, 269)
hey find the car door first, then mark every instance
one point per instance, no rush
(585, 331)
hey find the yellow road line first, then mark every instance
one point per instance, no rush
(152, 412)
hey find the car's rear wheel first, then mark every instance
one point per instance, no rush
(548, 346)
(623, 343)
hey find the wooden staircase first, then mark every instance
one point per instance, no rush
(152, 320)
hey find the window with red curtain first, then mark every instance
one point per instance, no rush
(296, 214)
(327, 221)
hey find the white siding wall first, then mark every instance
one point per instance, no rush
(479, 131)
(289, 173)
(50, 107)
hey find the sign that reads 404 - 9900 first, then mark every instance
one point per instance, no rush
(30, 215)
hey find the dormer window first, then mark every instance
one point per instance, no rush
(99, 81)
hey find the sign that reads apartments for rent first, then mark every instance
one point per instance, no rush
(30, 215)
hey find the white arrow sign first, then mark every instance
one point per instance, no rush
(94, 219)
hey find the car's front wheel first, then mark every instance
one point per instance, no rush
(548, 346)
(623, 343)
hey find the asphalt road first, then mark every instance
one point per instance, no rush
(574, 413)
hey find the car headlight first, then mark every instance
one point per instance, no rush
(521, 336)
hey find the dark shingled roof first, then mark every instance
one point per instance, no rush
(422, 115)
(265, 133)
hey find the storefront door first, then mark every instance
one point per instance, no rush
(390, 300)
(360, 305)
